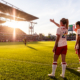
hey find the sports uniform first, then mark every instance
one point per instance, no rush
(62, 43)
(61, 49)
(78, 45)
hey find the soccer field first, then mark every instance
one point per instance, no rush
(34, 61)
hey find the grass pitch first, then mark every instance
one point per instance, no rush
(34, 61)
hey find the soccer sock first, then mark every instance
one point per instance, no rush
(54, 66)
(63, 68)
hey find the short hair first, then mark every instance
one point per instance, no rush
(78, 23)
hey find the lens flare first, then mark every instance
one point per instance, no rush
(14, 35)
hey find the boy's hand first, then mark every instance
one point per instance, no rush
(75, 48)
(52, 20)
(54, 49)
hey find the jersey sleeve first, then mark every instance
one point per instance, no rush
(58, 31)
(78, 32)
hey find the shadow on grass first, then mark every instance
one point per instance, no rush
(32, 48)
(73, 71)
(65, 79)
(35, 42)
(58, 79)
(54, 78)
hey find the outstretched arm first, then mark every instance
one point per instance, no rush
(52, 20)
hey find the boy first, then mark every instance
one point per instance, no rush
(60, 47)
(25, 40)
(77, 46)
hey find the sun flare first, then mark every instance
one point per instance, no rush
(12, 24)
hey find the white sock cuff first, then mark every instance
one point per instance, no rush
(54, 63)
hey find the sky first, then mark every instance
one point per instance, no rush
(46, 10)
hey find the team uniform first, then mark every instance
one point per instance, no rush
(62, 43)
(78, 45)
(61, 49)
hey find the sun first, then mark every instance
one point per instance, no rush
(12, 24)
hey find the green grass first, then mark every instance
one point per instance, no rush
(34, 61)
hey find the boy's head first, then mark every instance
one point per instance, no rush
(78, 24)
(64, 22)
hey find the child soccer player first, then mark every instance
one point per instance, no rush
(25, 40)
(60, 46)
(77, 46)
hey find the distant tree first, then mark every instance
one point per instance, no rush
(49, 36)
(72, 34)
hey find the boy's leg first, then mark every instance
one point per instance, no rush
(79, 58)
(63, 56)
(79, 55)
(54, 66)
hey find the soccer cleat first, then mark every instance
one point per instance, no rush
(51, 75)
(78, 70)
(62, 76)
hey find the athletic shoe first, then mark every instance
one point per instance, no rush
(51, 75)
(62, 76)
(78, 70)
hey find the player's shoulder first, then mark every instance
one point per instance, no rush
(59, 28)
(78, 30)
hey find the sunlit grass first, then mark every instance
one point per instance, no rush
(34, 61)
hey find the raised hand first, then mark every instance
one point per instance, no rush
(52, 20)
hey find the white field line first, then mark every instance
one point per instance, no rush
(24, 61)
(37, 63)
